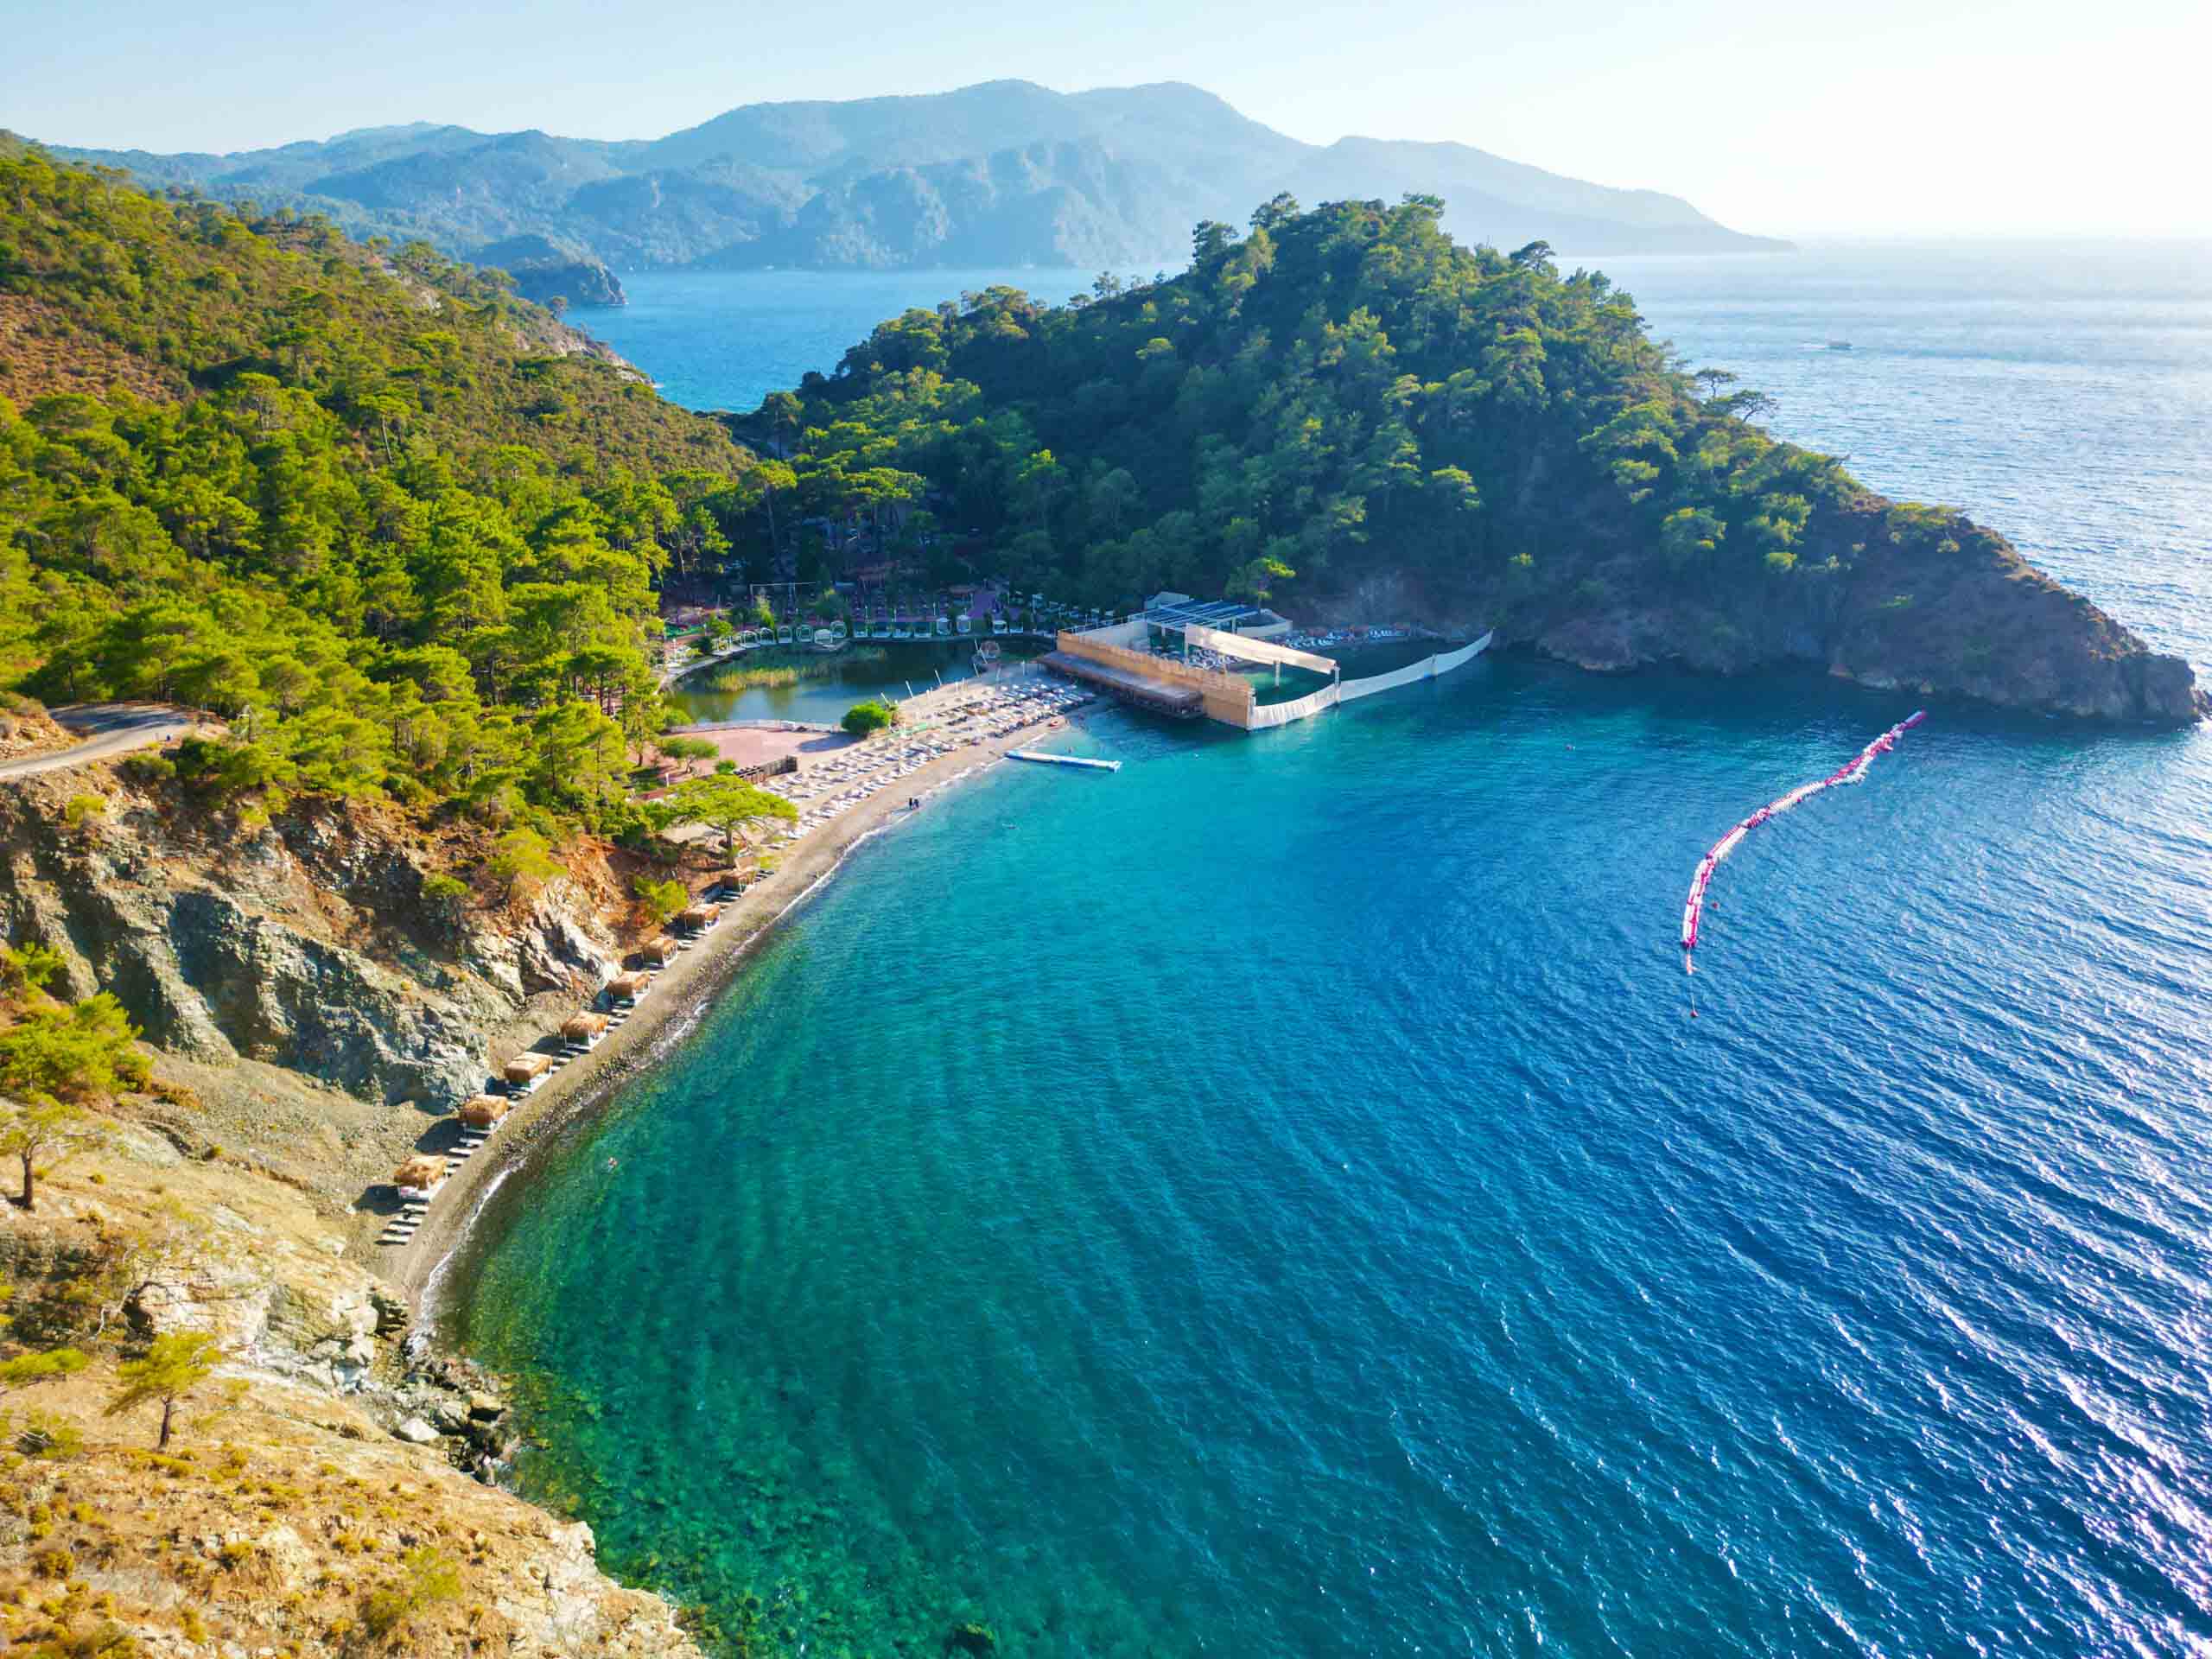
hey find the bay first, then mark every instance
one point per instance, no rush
(1273, 1199)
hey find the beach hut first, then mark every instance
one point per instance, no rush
(737, 878)
(699, 918)
(526, 1073)
(660, 950)
(583, 1032)
(485, 1111)
(626, 990)
(421, 1176)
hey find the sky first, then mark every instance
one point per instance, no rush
(1879, 117)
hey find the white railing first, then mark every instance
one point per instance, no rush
(1282, 713)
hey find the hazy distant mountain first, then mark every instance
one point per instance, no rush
(1005, 173)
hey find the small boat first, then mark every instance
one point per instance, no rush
(1838, 344)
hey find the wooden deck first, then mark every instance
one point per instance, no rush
(1162, 696)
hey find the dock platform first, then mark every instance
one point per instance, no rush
(1063, 760)
(1161, 696)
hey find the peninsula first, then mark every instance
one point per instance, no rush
(1349, 414)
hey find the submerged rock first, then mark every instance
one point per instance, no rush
(972, 1638)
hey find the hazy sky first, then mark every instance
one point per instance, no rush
(1912, 117)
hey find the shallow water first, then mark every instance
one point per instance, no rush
(1273, 1199)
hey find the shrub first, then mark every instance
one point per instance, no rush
(523, 862)
(150, 768)
(83, 808)
(865, 719)
(660, 899)
(430, 1580)
(446, 895)
(50, 1438)
(36, 1368)
(27, 968)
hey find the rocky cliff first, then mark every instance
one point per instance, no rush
(320, 1495)
(544, 273)
(304, 941)
(1950, 609)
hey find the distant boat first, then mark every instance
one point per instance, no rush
(1838, 344)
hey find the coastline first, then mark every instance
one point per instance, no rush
(424, 1267)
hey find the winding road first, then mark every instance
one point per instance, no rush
(108, 729)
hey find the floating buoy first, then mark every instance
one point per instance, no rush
(1852, 771)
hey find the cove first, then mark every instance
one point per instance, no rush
(1272, 1200)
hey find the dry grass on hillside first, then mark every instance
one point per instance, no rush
(283, 1518)
(42, 354)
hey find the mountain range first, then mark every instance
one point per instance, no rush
(1005, 173)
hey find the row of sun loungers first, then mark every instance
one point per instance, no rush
(421, 1177)
(825, 790)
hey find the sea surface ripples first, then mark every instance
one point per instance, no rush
(1275, 1199)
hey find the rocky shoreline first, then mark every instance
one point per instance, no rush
(300, 1015)
(1942, 607)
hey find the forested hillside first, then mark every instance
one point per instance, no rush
(1346, 398)
(399, 528)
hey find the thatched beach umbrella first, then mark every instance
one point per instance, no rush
(583, 1030)
(526, 1071)
(421, 1173)
(626, 988)
(485, 1111)
(660, 951)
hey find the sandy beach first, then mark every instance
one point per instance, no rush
(679, 993)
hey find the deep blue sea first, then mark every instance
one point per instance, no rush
(1273, 1200)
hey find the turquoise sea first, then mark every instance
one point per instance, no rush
(1274, 1200)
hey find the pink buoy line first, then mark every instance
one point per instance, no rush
(1851, 772)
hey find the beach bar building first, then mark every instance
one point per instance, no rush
(526, 1074)
(582, 1032)
(627, 990)
(420, 1177)
(1222, 644)
(486, 1112)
